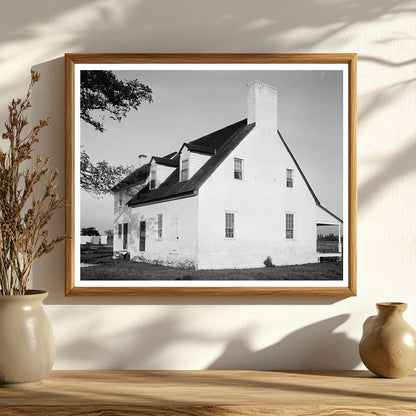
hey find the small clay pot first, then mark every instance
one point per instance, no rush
(388, 345)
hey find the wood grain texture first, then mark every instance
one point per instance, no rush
(352, 175)
(211, 291)
(203, 393)
(343, 58)
(291, 58)
(69, 174)
(208, 411)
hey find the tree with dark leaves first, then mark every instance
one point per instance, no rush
(98, 179)
(89, 231)
(102, 92)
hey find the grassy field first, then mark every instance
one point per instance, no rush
(131, 270)
(327, 246)
(94, 254)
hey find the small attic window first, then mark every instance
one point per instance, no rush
(152, 184)
(184, 169)
(238, 168)
(289, 178)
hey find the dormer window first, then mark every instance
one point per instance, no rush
(152, 184)
(184, 169)
(192, 157)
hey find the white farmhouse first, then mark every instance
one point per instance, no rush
(229, 199)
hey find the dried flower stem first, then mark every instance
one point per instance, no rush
(24, 216)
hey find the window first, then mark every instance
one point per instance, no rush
(125, 235)
(289, 178)
(184, 170)
(153, 178)
(238, 168)
(120, 200)
(229, 225)
(120, 230)
(289, 226)
(159, 225)
(142, 236)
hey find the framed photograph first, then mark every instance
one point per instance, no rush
(211, 174)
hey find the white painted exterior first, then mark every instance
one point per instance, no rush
(262, 105)
(179, 243)
(122, 213)
(260, 202)
(194, 227)
(196, 160)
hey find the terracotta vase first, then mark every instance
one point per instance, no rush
(388, 345)
(27, 347)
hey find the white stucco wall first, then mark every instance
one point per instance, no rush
(178, 245)
(122, 214)
(200, 333)
(259, 202)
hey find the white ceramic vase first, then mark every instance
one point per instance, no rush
(27, 346)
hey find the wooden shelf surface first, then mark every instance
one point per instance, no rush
(207, 393)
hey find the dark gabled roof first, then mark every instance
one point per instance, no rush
(137, 177)
(330, 213)
(166, 161)
(198, 148)
(223, 141)
(318, 203)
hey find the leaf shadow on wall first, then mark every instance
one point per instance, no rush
(147, 345)
(164, 23)
(389, 168)
(243, 27)
(316, 346)
(98, 26)
(110, 345)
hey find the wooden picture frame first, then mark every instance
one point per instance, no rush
(329, 77)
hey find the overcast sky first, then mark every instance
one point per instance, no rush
(189, 104)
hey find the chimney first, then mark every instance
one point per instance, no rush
(262, 105)
(142, 160)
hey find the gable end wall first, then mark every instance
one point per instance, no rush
(259, 202)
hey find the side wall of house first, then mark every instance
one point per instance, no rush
(259, 202)
(122, 214)
(178, 244)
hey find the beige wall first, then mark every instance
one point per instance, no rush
(187, 333)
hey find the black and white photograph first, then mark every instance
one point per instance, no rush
(211, 175)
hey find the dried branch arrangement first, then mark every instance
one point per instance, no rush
(28, 199)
